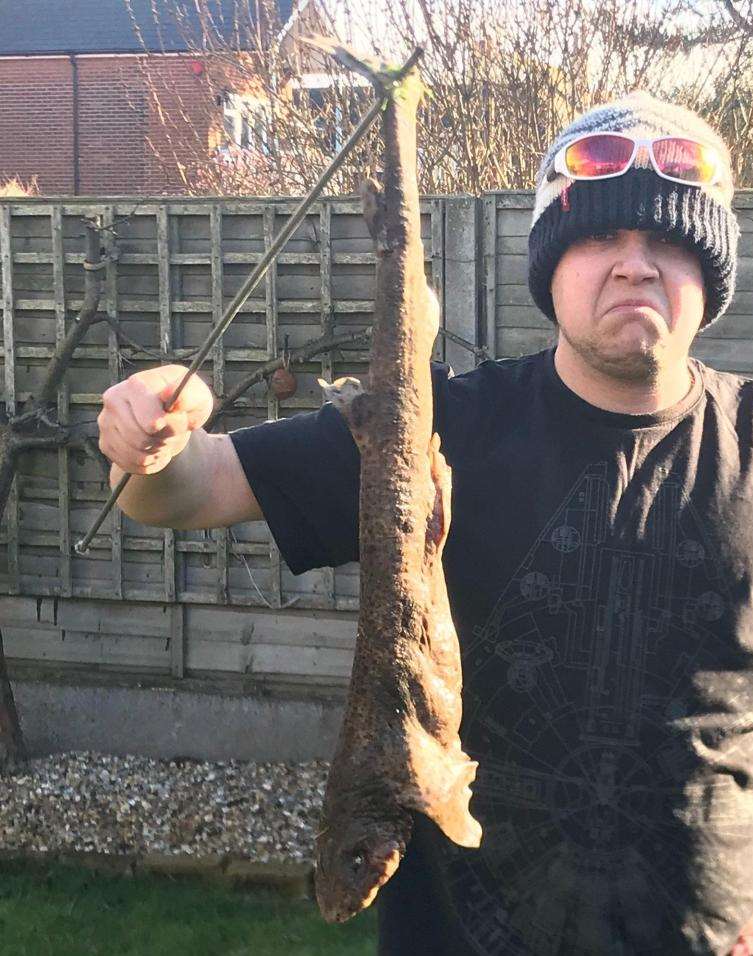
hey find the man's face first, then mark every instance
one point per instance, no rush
(629, 303)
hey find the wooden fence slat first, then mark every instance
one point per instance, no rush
(325, 275)
(306, 403)
(218, 378)
(166, 344)
(12, 506)
(6, 264)
(64, 499)
(177, 331)
(273, 407)
(204, 306)
(116, 374)
(177, 640)
(58, 280)
(201, 259)
(48, 539)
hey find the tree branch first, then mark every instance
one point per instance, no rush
(302, 354)
(745, 25)
(123, 339)
(63, 354)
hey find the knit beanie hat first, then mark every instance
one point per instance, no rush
(702, 216)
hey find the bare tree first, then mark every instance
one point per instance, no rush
(504, 76)
(743, 20)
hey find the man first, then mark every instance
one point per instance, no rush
(599, 565)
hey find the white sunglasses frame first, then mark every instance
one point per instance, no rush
(558, 165)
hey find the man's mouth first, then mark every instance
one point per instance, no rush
(634, 304)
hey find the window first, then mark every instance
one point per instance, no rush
(245, 121)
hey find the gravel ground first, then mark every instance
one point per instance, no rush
(92, 802)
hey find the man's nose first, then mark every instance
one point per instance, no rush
(635, 260)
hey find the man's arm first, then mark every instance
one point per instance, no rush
(181, 476)
(202, 487)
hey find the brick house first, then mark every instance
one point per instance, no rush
(84, 110)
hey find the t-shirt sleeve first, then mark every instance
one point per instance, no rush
(305, 471)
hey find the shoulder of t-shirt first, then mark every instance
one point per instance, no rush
(469, 406)
(731, 393)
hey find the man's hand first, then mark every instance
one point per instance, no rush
(135, 431)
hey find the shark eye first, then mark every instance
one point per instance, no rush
(358, 859)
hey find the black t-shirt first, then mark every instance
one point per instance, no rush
(599, 568)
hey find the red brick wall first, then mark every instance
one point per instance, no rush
(36, 122)
(140, 122)
(182, 107)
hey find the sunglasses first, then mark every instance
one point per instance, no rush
(603, 155)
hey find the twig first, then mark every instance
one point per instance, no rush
(131, 344)
(745, 25)
(258, 590)
(34, 414)
(246, 289)
(480, 351)
(301, 354)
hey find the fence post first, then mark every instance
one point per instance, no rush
(12, 508)
(489, 312)
(461, 275)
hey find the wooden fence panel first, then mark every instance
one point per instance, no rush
(223, 601)
(172, 269)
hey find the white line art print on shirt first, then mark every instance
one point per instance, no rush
(583, 696)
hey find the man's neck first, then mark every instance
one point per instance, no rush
(618, 395)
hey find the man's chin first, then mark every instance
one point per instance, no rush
(636, 361)
(641, 366)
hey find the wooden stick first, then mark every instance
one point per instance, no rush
(246, 289)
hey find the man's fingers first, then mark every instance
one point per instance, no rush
(170, 425)
(195, 401)
(152, 418)
(121, 417)
(134, 462)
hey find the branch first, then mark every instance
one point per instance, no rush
(35, 414)
(62, 437)
(745, 25)
(63, 354)
(480, 351)
(302, 354)
(90, 447)
(124, 340)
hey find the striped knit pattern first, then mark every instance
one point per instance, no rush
(700, 216)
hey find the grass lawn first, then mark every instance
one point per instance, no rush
(67, 911)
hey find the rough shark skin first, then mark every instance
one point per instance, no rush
(398, 749)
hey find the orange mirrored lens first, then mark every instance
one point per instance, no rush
(598, 156)
(686, 160)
